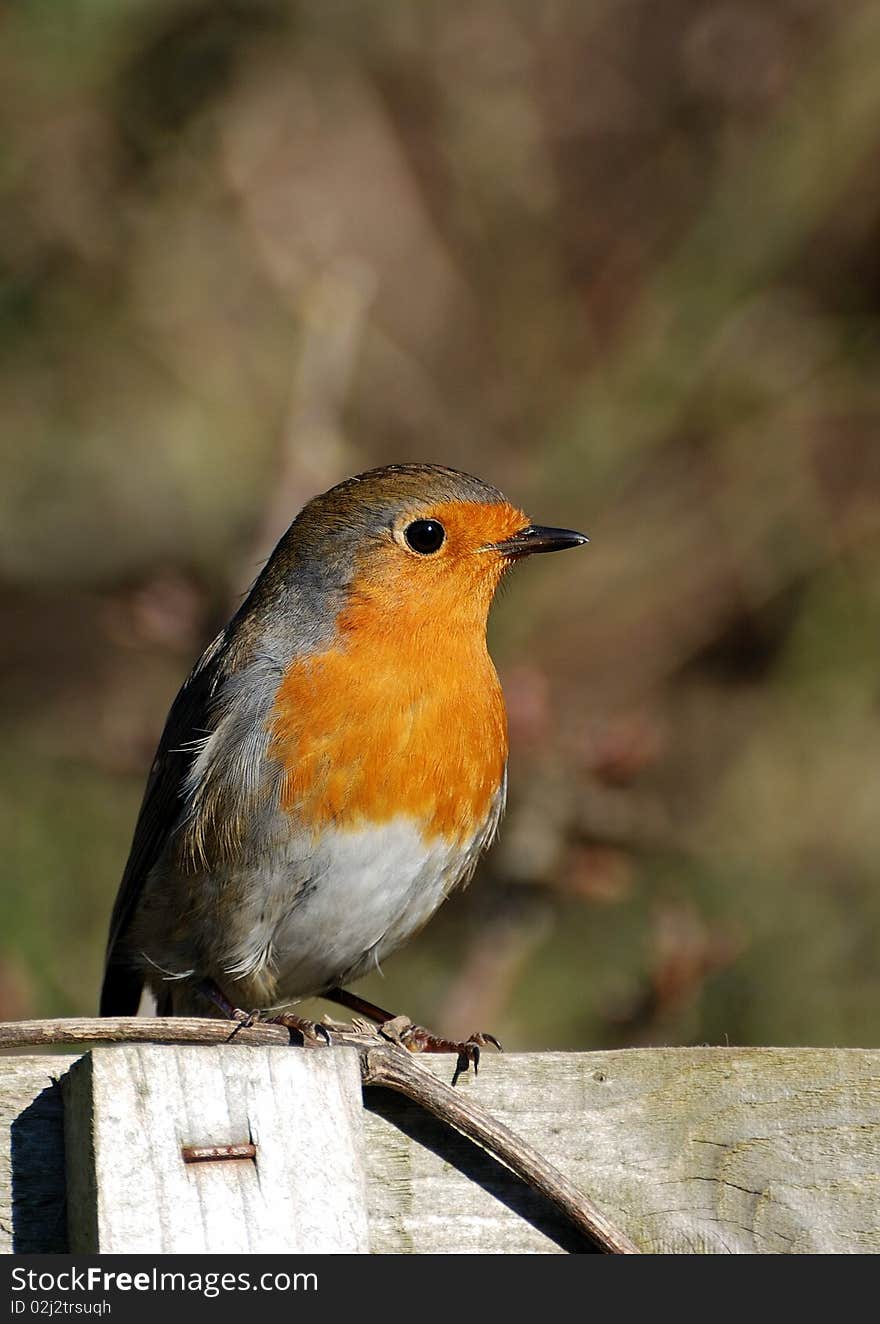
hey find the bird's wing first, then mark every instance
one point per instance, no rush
(210, 764)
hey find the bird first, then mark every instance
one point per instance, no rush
(335, 763)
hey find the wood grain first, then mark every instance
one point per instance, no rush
(690, 1150)
(129, 1110)
(706, 1150)
(405, 1075)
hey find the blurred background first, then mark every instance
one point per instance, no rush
(621, 259)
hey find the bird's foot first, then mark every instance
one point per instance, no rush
(415, 1038)
(310, 1032)
(400, 1030)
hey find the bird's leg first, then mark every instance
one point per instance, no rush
(416, 1038)
(359, 1006)
(309, 1031)
(215, 995)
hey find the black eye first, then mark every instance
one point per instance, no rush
(424, 535)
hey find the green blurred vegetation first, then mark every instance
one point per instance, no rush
(621, 259)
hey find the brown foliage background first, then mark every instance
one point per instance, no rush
(621, 259)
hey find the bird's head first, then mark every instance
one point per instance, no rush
(418, 542)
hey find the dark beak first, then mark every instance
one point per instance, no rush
(537, 538)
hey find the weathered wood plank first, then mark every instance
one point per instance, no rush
(130, 1109)
(710, 1150)
(33, 1216)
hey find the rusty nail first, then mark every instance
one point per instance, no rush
(211, 1153)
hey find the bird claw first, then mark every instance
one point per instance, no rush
(311, 1032)
(245, 1019)
(417, 1039)
(469, 1052)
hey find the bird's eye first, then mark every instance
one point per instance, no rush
(424, 536)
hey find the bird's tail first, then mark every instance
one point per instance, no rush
(121, 990)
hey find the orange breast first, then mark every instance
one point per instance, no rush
(398, 718)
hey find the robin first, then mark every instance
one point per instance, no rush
(335, 763)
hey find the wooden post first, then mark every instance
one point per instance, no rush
(688, 1150)
(190, 1149)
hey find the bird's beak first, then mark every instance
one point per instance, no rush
(538, 538)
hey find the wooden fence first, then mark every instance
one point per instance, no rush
(248, 1147)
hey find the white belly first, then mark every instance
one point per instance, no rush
(367, 891)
